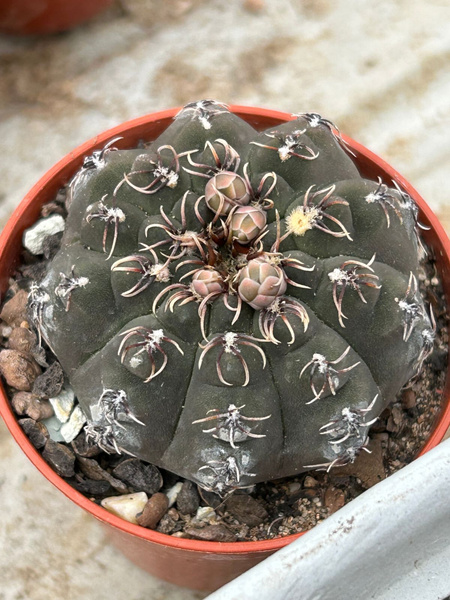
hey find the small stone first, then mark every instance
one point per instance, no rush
(294, 487)
(61, 458)
(211, 533)
(127, 506)
(54, 428)
(139, 475)
(50, 383)
(438, 360)
(246, 509)
(173, 514)
(85, 447)
(369, 468)
(33, 238)
(334, 499)
(5, 330)
(15, 310)
(36, 432)
(26, 403)
(19, 369)
(72, 428)
(310, 482)
(51, 244)
(93, 470)
(188, 500)
(172, 493)
(167, 525)
(21, 339)
(55, 207)
(153, 511)
(36, 271)
(210, 498)
(63, 404)
(205, 514)
(408, 399)
(40, 356)
(90, 487)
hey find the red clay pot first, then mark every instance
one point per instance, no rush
(191, 563)
(46, 16)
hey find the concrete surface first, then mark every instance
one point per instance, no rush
(390, 543)
(380, 70)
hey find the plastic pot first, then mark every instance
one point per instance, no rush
(191, 563)
(46, 16)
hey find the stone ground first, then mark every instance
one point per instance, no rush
(381, 70)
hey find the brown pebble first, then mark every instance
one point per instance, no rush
(140, 476)
(21, 339)
(408, 399)
(334, 499)
(153, 511)
(93, 470)
(167, 524)
(310, 482)
(188, 500)
(211, 533)
(36, 432)
(369, 468)
(90, 486)
(246, 509)
(26, 403)
(19, 369)
(60, 457)
(50, 383)
(84, 447)
(15, 310)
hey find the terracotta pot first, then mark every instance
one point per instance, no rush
(46, 16)
(190, 563)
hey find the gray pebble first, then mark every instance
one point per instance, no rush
(61, 458)
(93, 470)
(140, 476)
(35, 431)
(211, 533)
(188, 500)
(50, 383)
(246, 509)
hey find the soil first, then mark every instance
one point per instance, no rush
(268, 510)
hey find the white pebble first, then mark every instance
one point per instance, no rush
(294, 487)
(127, 506)
(33, 238)
(173, 493)
(72, 428)
(205, 513)
(53, 426)
(63, 404)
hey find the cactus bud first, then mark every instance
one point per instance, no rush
(260, 283)
(247, 222)
(206, 282)
(225, 190)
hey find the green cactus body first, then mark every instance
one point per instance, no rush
(232, 305)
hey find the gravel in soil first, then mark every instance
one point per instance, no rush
(176, 506)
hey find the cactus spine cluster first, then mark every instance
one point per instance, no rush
(233, 305)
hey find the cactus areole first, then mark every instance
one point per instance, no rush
(232, 305)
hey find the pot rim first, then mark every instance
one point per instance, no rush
(73, 160)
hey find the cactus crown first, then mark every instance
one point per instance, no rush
(234, 305)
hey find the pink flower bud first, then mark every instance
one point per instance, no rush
(260, 283)
(225, 190)
(247, 222)
(207, 281)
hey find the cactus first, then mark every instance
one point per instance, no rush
(232, 305)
